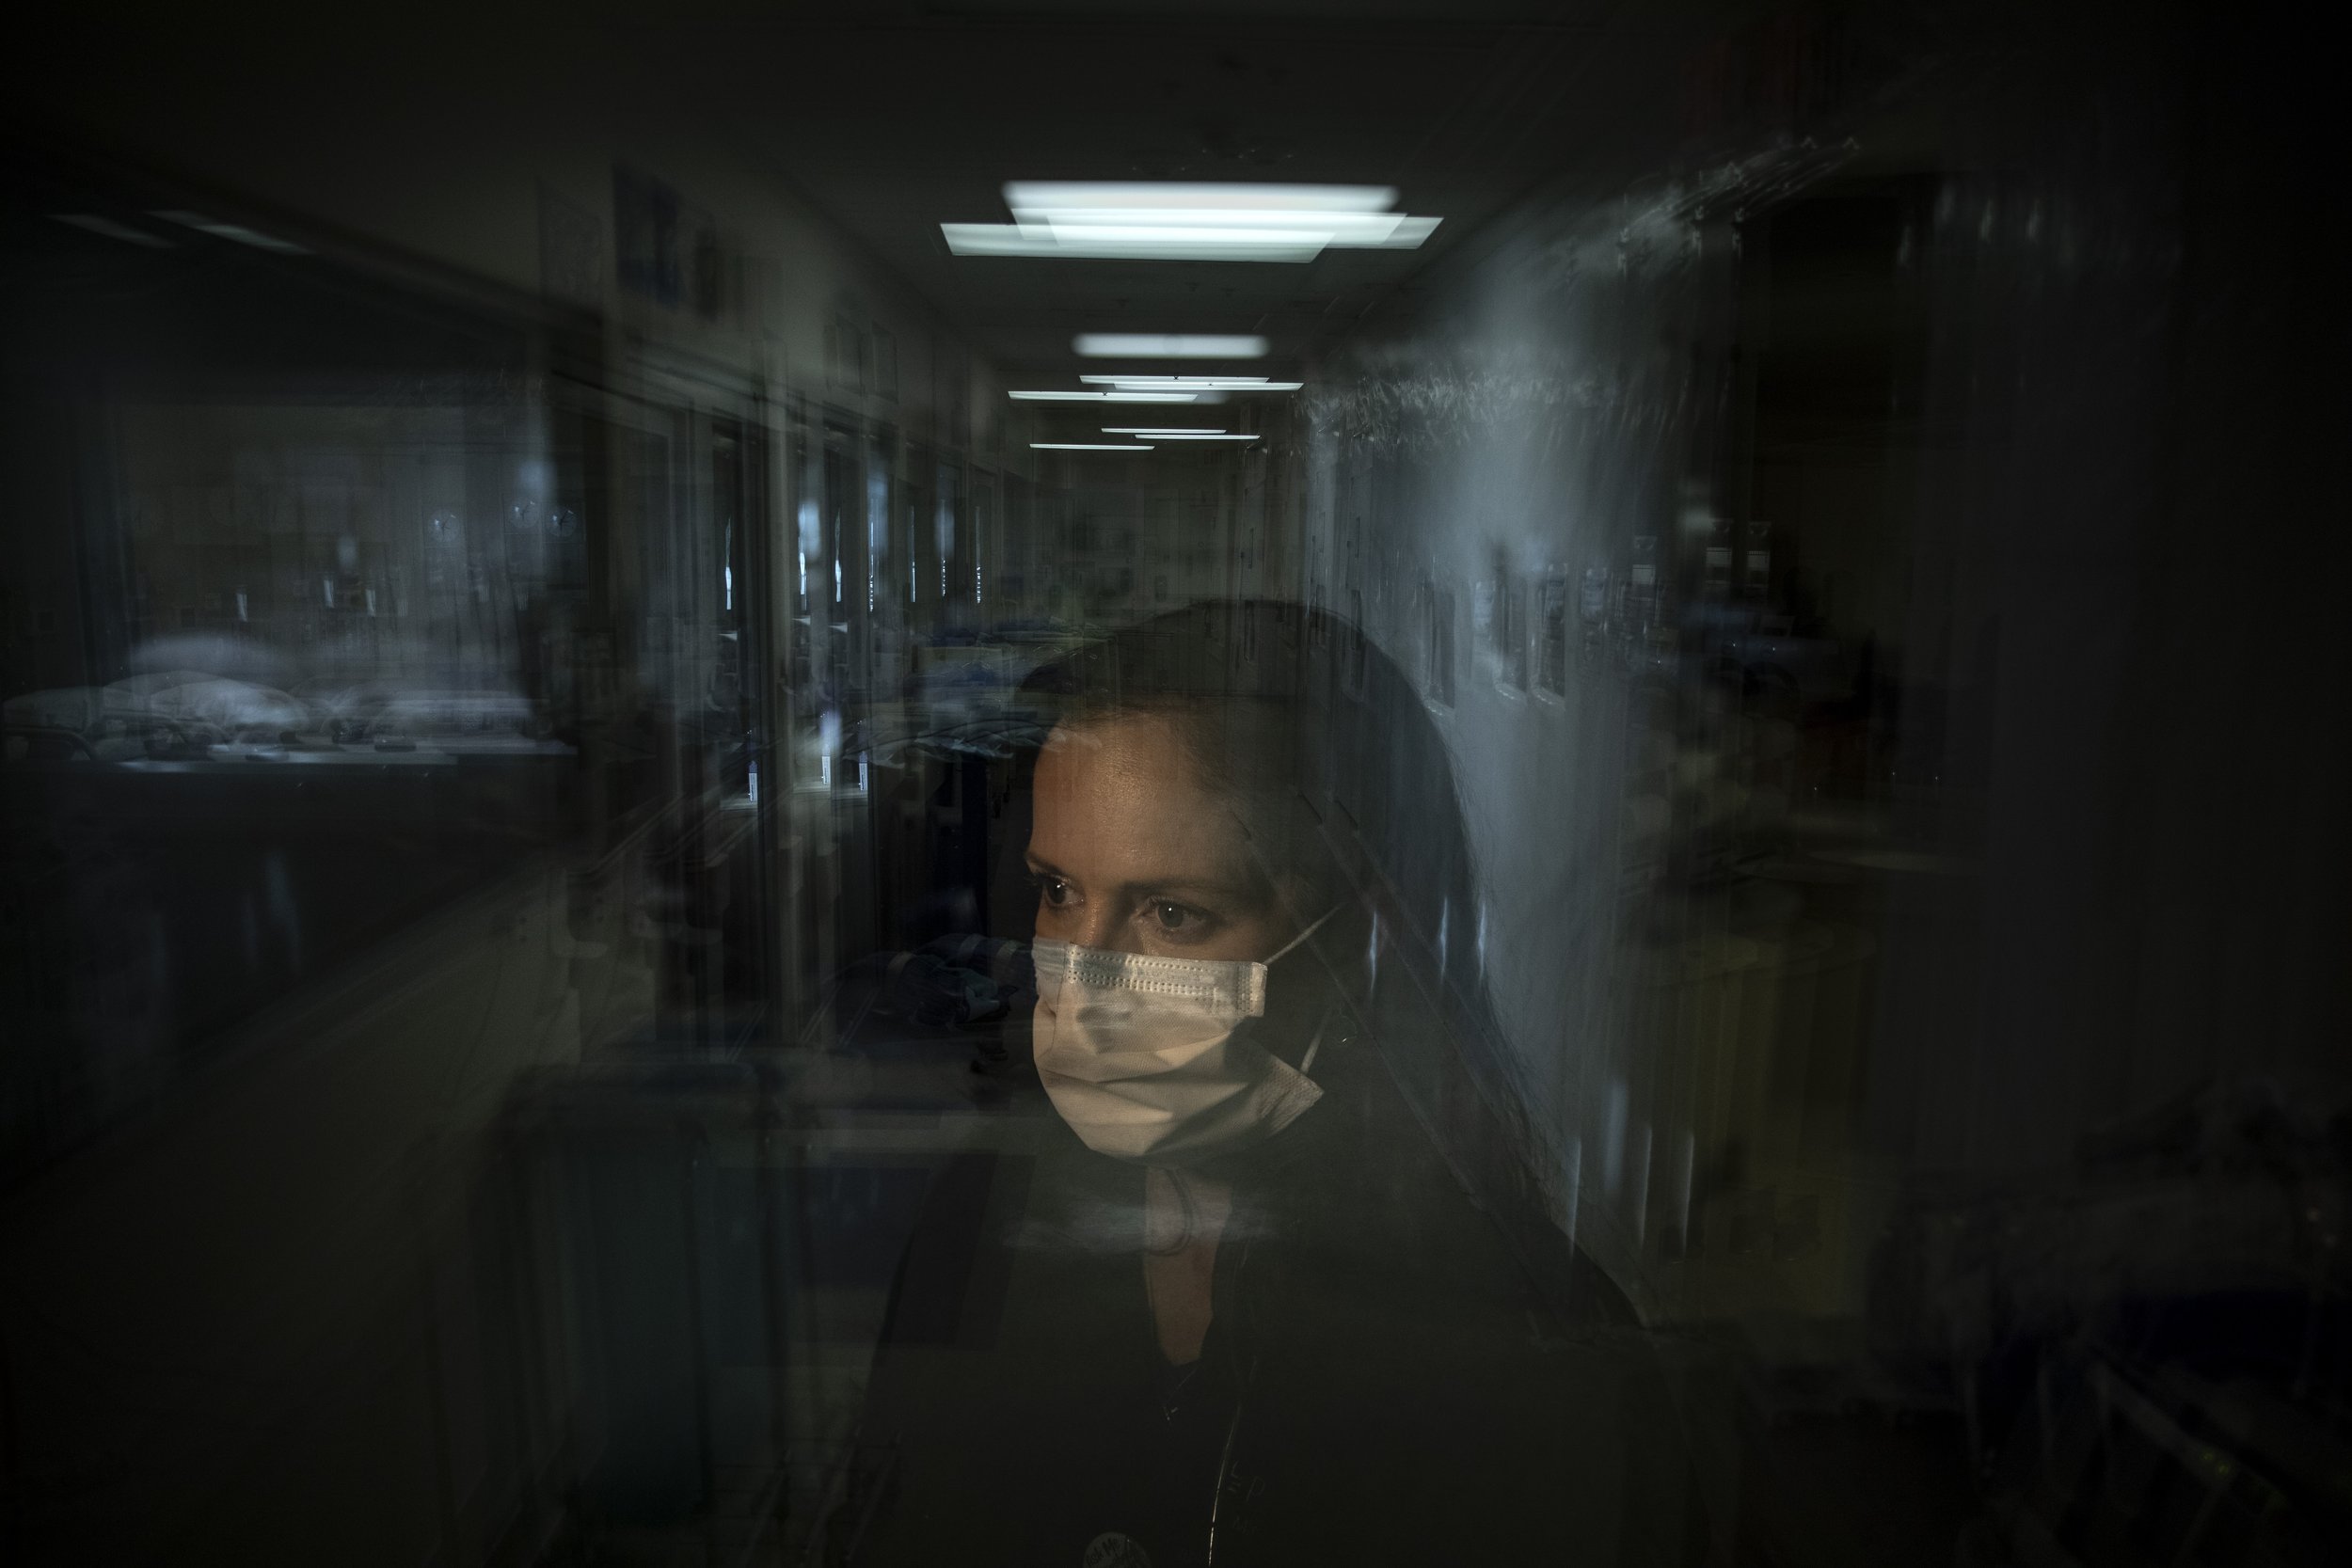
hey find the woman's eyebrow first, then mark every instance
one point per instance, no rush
(1185, 884)
(1238, 890)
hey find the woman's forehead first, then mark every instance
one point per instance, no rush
(1121, 799)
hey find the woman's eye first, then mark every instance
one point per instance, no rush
(1173, 918)
(1053, 891)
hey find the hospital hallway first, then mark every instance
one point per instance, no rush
(1143, 783)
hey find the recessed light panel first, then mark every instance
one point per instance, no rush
(1190, 222)
(1191, 383)
(1104, 397)
(1146, 346)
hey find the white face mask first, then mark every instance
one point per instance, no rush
(1140, 1057)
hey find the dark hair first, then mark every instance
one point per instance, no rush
(1230, 681)
(1334, 764)
(1327, 752)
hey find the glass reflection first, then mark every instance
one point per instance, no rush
(1682, 902)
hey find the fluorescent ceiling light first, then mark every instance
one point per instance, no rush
(1159, 430)
(1192, 383)
(996, 239)
(1087, 446)
(1104, 397)
(1225, 225)
(1176, 434)
(1146, 346)
(1190, 222)
(1066, 195)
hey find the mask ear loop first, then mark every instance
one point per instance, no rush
(1306, 1063)
(1311, 930)
(1322, 1023)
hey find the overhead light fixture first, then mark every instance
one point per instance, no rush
(1133, 244)
(1192, 383)
(1159, 430)
(1104, 397)
(1087, 446)
(1190, 222)
(1146, 346)
(1180, 196)
(1179, 435)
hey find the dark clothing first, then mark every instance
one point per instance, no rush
(1378, 1384)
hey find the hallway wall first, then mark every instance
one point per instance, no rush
(1840, 461)
(1464, 481)
(490, 160)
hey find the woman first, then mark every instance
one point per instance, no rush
(1251, 1314)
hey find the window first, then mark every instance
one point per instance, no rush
(1510, 632)
(1445, 646)
(1359, 644)
(841, 367)
(1551, 674)
(1437, 644)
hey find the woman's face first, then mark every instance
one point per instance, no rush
(1133, 853)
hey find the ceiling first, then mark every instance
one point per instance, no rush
(891, 120)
